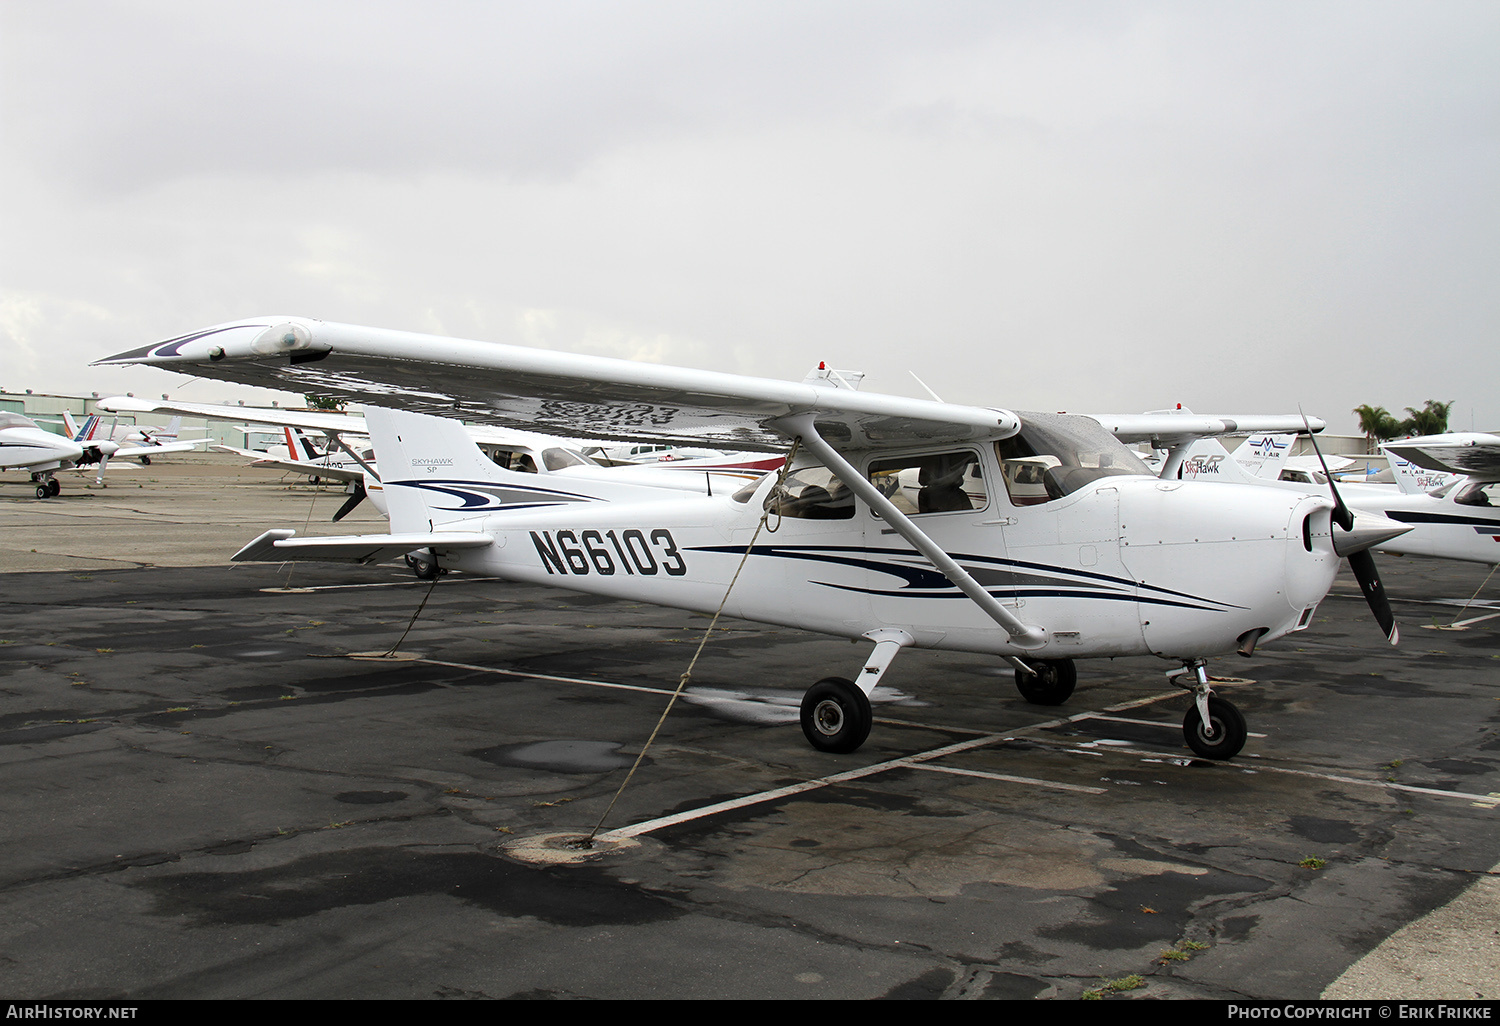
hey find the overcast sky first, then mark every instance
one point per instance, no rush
(1108, 207)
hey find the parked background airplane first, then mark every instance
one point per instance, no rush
(26, 446)
(1454, 522)
(145, 438)
(1074, 549)
(346, 456)
(99, 446)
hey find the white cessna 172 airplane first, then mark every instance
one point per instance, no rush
(1038, 538)
(1460, 519)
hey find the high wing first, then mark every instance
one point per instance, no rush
(305, 419)
(560, 393)
(1475, 455)
(1177, 431)
(1164, 430)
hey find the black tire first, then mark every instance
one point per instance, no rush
(836, 715)
(1228, 725)
(1052, 684)
(43, 492)
(54, 486)
(145, 461)
(424, 569)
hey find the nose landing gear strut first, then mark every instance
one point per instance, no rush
(1213, 727)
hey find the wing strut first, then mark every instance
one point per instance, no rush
(1022, 635)
(338, 440)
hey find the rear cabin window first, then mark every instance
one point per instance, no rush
(811, 493)
(945, 482)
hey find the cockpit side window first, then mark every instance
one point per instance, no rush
(1479, 493)
(945, 482)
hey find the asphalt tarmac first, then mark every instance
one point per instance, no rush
(208, 797)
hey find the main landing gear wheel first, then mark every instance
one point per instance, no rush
(424, 569)
(43, 492)
(836, 715)
(54, 487)
(1052, 683)
(1225, 734)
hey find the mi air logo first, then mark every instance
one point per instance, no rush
(1267, 446)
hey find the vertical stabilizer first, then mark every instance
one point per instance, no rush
(1415, 480)
(1206, 459)
(433, 474)
(1265, 456)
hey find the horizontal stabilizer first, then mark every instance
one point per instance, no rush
(279, 546)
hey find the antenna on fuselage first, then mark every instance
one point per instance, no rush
(935, 397)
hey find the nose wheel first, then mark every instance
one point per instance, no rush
(1213, 727)
(1222, 736)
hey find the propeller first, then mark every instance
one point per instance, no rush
(356, 496)
(1355, 545)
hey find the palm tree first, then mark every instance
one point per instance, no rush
(1377, 424)
(323, 402)
(1431, 419)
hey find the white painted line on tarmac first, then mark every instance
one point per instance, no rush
(1012, 779)
(551, 677)
(904, 762)
(1150, 723)
(919, 761)
(466, 579)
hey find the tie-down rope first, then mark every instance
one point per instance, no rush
(687, 674)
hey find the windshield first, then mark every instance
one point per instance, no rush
(556, 459)
(10, 420)
(1056, 454)
(1479, 493)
